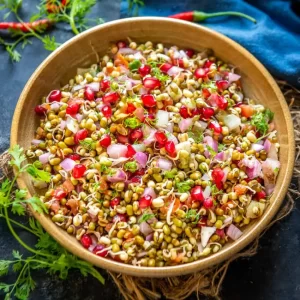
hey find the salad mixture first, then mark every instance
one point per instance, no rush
(156, 156)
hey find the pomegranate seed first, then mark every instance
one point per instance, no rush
(120, 217)
(114, 202)
(200, 73)
(189, 52)
(80, 135)
(59, 194)
(86, 241)
(40, 110)
(89, 94)
(121, 44)
(55, 96)
(195, 111)
(130, 108)
(136, 135)
(207, 112)
(197, 194)
(222, 84)
(260, 195)
(144, 70)
(202, 221)
(165, 67)
(208, 203)
(107, 111)
(145, 201)
(151, 83)
(178, 62)
(104, 85)
(105, 140)
(148, 100)
(98, 250)
(135, 179)
(130, 151)
(217, 176)
(205, 93)
(170, 147)
(111, 98)
(220, 233)
(184, 112)
(207, 64)
(72, 108)
(78, 171)
(74, 156)
(122, 139)
(221, 102)
(140, 172)
(215, 127)
(160, 137)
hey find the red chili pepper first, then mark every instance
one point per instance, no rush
(200, 16)
(25, 27)
(53, 8)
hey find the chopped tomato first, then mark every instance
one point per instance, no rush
(240, 189)
(73, 204)
(68, 186)
(247, 110)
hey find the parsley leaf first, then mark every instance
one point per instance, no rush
(183, 186)
(49, 43)
(261, 120)
(145, 217)
(221, 147)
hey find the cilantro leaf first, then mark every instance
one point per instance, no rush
(211, 150)
(18, 208)
(131, 166)
(221, 147)
(132, 122)
(159, 75)
(4, 265)
(196, 135)
(16, 254)
(49, 43)
(18, 157)
(38, 174)
(261, 120)
(88, 144)
(193, 215)
(170, 174)
(37, 204)
(145, 217)
(183, 186)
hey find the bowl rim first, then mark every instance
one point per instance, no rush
(203, 263)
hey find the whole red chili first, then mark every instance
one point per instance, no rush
(27, 26)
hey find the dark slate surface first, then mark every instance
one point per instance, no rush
(274, 273)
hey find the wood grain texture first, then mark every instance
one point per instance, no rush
(82, 50)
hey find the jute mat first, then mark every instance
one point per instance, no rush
(209, 281)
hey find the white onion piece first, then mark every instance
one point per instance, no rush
(62, 124)
(267, 145)
(116, 150)
(253, 165)
(257, 147)
(233, 77)
(174, 71)
(72, 125)
(226, 222)
(55, 106)
(206, 233)
(143, 253)
(36, 142)
(164, 57)
(44, 158)
(270, 168)
(226, 170)
(138, 55)
(232, 122)
(200, 125)
(184, 146)
(173, 138)
(116, 161)
(149, 191)
(183, 54)
(200, 248)
(233, 232)
(141, 158)
(118, 176)
(148, 133)
(68, 164)
(139, 147)
(205, 177)
(273, 152)
(207, 192)
(164, 164)
(145, 229)
(77, 88)
(79, 117)
(126, 51)
(162, 118)
(95, 86)
(170, 127)
(185, 124)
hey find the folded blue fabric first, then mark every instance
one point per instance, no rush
(274, 40)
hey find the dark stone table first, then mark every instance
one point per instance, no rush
(274, 273)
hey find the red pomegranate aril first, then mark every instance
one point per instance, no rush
(221, 102)
(104, 85)
(114, 202)
(170, 148)
(151, 83)
(189, 52)
(160, 137)
(89, 94)
(105, 140)
(144, 70)
(135, 179)
(40, 110)
(107, 111)
(111, 98)
(215, 127)
(121, 44)
(208, 203)
(130, 108)
(74, 156)
(78, 171)
(55, 96)
(136, 135)
(222, 84)
(59, 194)
(205, 93)
(217, 176)
(120, 218)
(178, 62)
(197, 193)
(165, 67)
(195, 112)
(130, 151)
(145, 201)
(80, 135)
(123, 139)
(72, 108)
(98, 250)
(260, 195)
(207, 64)
(207, 112)
(148, 100)
(184, 112)
(220, 233)
(200, 73)
(86, 241)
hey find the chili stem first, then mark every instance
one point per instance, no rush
(201, 16)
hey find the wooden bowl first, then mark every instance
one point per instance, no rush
(83, 50)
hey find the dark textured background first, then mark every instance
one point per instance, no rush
(274, 273)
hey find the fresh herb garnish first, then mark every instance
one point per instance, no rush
(192, 215)
(88, 144)
(145, 217)
(261, 120)
(170, 174)
(221, 147)
(215, 191)
(133, 7)
(159, 75)
(132, 122)
(131, 166)
(211, 150)
(209, 85)
(196, 135)
(183, 186)
(134, 65)
(38, 174)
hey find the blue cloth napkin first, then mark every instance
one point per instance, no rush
(274, 40)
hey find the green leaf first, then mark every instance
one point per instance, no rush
(221, 147)
(17, 156)
(17, 208)
(132, 122)
(88, 144)
(159, 75)
(183, 186)
(36, 227)
(134, 65)
(211, 150)
(37, 204)
(215, 191)
(4, 265)
(6, 15)
(4, 287)
(16, 254)
(50, 43)
(170, 174)
(17, 266)
(261, 120)
(145, 217)
(131, 166)
(38, 174)
(193, 215)
(196, 135)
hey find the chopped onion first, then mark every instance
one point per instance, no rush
(257, 147)
(139, 113)
(184, 146)
(212, 99)
(170, 209)
(200, 248)
(116, 150)
(205, 177)
(233, 77)
(144, 253)
(174, 71)
(270, 168)
(143, 91)
(207, 192)
(145, 228)
(138, 55)
(164, 164)
(226, 222)
(162, 118)
(226, 170)
(141, 158)
(220, 156)
(173, 138)
(55, 106)
(62, 124)
(36, 142)
(77, 88)
(149, 191)
(267, 145)
(200, 125)
(149, 237)
(233, 232)
(68, 164)
(206, 233)
(232, 122)
(139, 147)
(185, 124)
(183, 54)
(116, 161)
(95, 86)
(126, 51)
(44, 158)
(208, 140)
(120, 175)
(170, 127)
(79, 117)
(72, 125)
(273, 152)
(148, 133)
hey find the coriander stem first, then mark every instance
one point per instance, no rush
(72, 21)
(20, 274)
